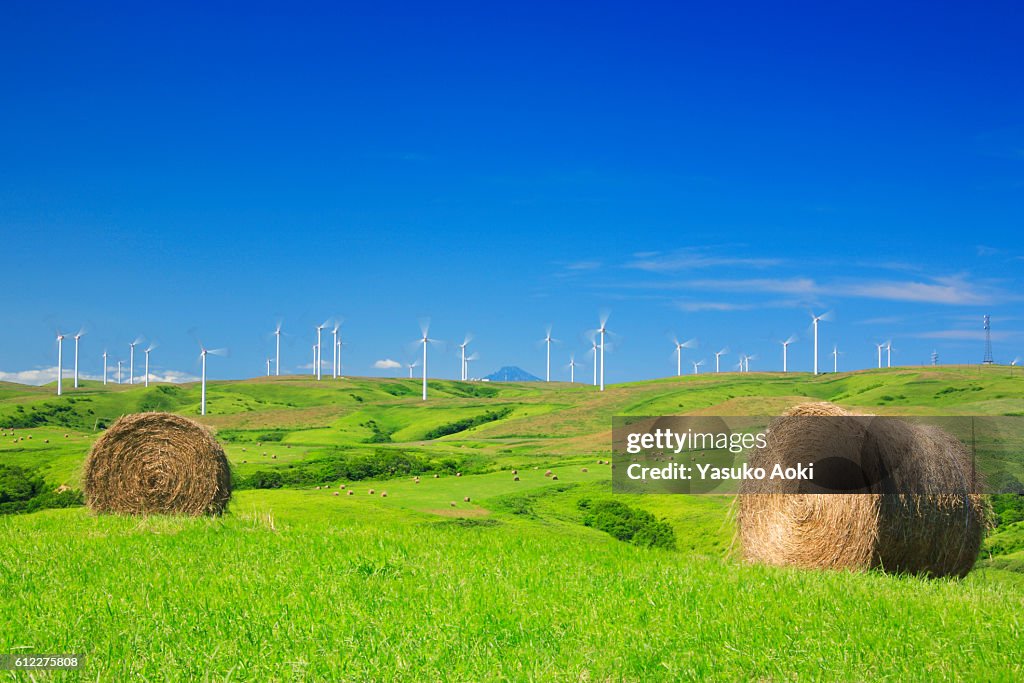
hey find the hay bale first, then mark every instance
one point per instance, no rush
(466, 499)
(515, 478)
(917, 533)
(157, 463)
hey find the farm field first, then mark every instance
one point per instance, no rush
(301, 581)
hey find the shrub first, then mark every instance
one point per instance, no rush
(628, 524)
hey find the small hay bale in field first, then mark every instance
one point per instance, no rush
(466, 499)
(515, 478)
(46, 441)
(337, 493)
(515, 471)
(548, 473)
(554, 477)
(371, 492)
(383, 494)
(458, 474)
(342, 487)
(453, 503)
(938, 534)
(584, 469)
(273, 457)
(157, 463)
(437, 476)
(351, 492)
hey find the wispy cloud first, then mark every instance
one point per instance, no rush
(692, 259)
(697, 306)
(387, 364)
(946, 290)
(968, 335)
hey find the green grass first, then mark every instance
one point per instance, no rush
(512, 585)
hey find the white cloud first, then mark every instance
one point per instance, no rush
(387, 364)
(687, 259)
(948, 290)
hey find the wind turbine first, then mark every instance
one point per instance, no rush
(131, 360)
(718, 356)
(817, 319)
(888, 354)
(469, 358)
(785, 352)
(119, 371)
(411, 366)
(268, 367)
(334, 347)
(463, 369)
(81, 333)
(880, 347)
(104, 367)
(679, 352)
(339, 344)
(835, 359)
(148, 349)
(319, 348)
(314, 361)
(425, 340)
(572, 368)
(203, 351)
(696, 366)
(60, 363)
(602, 330)
(547, 340)
(277, 353)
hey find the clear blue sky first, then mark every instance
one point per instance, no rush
(713, 171)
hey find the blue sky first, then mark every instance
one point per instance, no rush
(716, 172)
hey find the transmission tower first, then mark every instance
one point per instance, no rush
(935, 357)
(988, 342)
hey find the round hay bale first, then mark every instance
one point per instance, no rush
(515, 478)
(351, 492)
(157, 463)
(937, 534)
(466, 499)
(371, 492)
(554, 477)
(383, 494)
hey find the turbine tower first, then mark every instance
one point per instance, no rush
(319, 348)
(718, 356)
(988, 342)
(334, 346)
(314, 360)
(696, 366)
(469, 359)
(463, 369)
(835, 360)
(147, 349)
(425, 340)
(60, 363)
(104, 367)
(679, 353)
(572, 368)
(268, 367)
(277, 353)
(131, 361)
(119, 371)
(602, 330)
(547, 340)
(817, 319)
(411, 366)
(785, 353)
(888, 354)
(593, 351)
(203, 352)
(880, 347)
(78, 336)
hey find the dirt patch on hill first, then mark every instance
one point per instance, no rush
(455, 512)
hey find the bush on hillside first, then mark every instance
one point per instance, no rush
(629, 524)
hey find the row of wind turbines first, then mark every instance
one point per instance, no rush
(597, 338)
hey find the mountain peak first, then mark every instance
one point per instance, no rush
(511, 373)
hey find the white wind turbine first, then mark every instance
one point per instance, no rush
(888, 354)
(547, 341)
(81, 333)
(602, 331)
(104, 367)
(314, 360)
(148, 349)
(470, 358)
(268, 367)
(689, 344)
(319, 348)
(334, 347)
(816, 319)
(131, 360)
(339, 344)
(277, 352)
(593, 352)
(463, 369)
(718, 356)
(119, 371)
(880, 347)
(60, 363)
(425, 340)
(835, 359)
(203, 352)
(696, 366)
(411, 366)
(785, 352)
(572, 368)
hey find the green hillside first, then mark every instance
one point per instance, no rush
(305, 582)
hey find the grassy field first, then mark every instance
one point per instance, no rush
(302, 584)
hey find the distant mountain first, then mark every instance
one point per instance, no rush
(511, 373)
